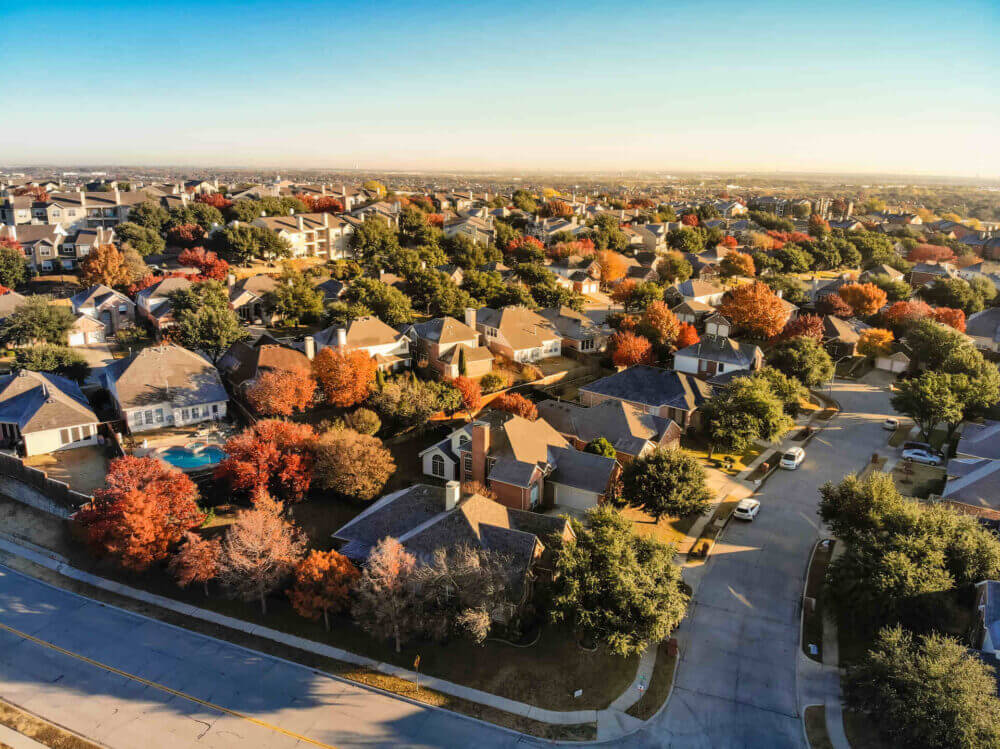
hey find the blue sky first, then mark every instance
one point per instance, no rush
(902, 87)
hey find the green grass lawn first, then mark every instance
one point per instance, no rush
(659, 685)
(812, 620)
(696, 445)
(815, 720)
(918, 480)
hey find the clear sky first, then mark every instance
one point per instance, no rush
(808, 86)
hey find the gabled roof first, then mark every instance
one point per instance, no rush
(721, 349)
(9, 302)
(652, 386)
(38, 401)
(443, 330)
(697, 288)
(165, 373)
(628, 428)
(362, 332)
(521, 327)
(845, 331)
(980, 440)
(95, 296)
(570, 323)
(243, 362)
(985, 324)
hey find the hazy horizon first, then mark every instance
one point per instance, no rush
(897, 89)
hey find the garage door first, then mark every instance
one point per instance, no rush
(95, 337)
(76, 339)
(578, 499)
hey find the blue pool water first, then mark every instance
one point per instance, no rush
(184, 458)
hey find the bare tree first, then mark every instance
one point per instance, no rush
(386, 603)
(260, 550)
(461, 591)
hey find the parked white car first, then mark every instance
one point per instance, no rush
(747, 509)
(793, 458)
(920, 455)
(890, 424)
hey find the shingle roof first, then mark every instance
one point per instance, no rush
(243, 362)
(625, 426)
(521, 327)
(652, 386)
(697, 288)
(721, 349)
(362, 332)
(37, 401)
(985, 324)
(9, 302)
(444, 330)
(165, 374)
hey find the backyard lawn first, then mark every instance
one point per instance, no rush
(696, 445)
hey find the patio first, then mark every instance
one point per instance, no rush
(83, 468)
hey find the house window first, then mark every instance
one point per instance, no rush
(64, 436)
(722, 367)
(437, 466)
(467, 463)
(490, 462)
(76, 434)
(123, 308)
(149, 417)
(587, 344)
(185, 414)
(215, 408)
(463, 439)
(159, 416)
(535, 495)
(85, 430)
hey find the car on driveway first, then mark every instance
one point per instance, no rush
(919, 455)
(917, 446)
(891, 424)
(747, 509)
(793, 458)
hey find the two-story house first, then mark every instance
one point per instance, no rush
(320, 235)
(111, 308)
(659, 392)
(519, 333)
(154, 302)
(716, 353)
(388, 347)
(444, 341)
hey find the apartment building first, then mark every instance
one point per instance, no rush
(312, 234)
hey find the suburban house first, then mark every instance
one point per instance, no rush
(112, 308)
(331, 289)
(882, 269)
(716, 353)
(248, 297)
(841, 336)
(527, 464)
(579, 332)
(9, 302)
(154, 303)
(986, 636)
(479, 230)
(426, 518)
(659, 392)
(41, 413)
(388, 347)
(693, 313)
(312, 234)
(629, 429)
(164, 386)
(979, 440)
(518, 333)
(697, 290)
(443, 341)
(41, 244)
(984, 329)
(974, 481)
(922, 274)
(244, 363)
(80, 209)
(84, 331)
(452, 272)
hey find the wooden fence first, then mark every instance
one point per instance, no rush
(12, 467)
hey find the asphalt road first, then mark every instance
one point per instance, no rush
(194, 691)
(736, 681)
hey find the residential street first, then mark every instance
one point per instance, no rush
(736, 681)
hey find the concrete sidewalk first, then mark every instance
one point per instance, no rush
(612, 722)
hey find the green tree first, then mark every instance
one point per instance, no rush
(895, 290)
(202, 214)
(142, 239)
(789, 390)
(931, 341)
(929, 400)
(600, 446)
(204, 320)
(792, 290)
(857, 507)
(666, 482)
(391, 305)
(925, 693)
(339, 314)
(148, 214)
(524, 200)
(13, 267)
(674, 268)
(59, 360)
(744, 411)
(374, 242)
(952, 292)
(295, 299)
(793, 259)
(685, 240)
(803, 358)
(36, 320)
(615, 587)
(243, 244)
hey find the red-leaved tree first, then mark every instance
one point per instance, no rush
(809, 326)
(472, 394)
(689, 219)
(755, 310)
(517, 405)
(323, 582)
(730, 242)
(346, 379)
(901, 315)
(660, 324)
(629, 349)
(214, 199)
(953, 317)
(186, 235)
(271, 455)
(281, 392)
(864, 298)
(144, 509)
(328, 204)
(209, 264)
(930, 253)
(833, 304)
(687, 335)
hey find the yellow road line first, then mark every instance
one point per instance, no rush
(168, 690)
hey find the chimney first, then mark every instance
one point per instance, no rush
(230, 280)
(302, 224)
(341, 337)
(470, 317)
(480, 449)
(452, 492)
(310, 347)
(326, 218)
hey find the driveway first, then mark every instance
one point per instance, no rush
(736, 681)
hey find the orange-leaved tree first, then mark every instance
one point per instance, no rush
(875, 342)
(611, 266)
(517, 405)
(209, 264)
(471, 392)
(353, 464)
(271, 455)
(903, 314)
(280, 392)
(864, 298)
(737, 264)
(629, 349)
(105, 264)
(323, 582)
(755, 310)
(953, 317)
(144, 509)
(196, 561)
(660, 324)
(346, 378)
(810, 326)
(687, 335)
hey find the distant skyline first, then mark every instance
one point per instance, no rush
(895, 88)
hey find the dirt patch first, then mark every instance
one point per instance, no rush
(83, 468)
(815, 720)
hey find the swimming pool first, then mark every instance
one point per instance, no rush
(185, 458)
